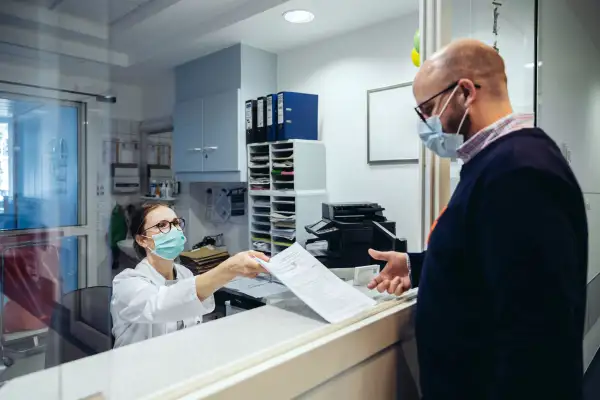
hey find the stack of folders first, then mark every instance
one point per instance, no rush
(283, 164)
(203, 259)
(284, 221)
(259, 157)
(262, 204)
(259, 171)
(259, 160)
(283, 229)
(286, 233)
(256, 179)
(262, 246)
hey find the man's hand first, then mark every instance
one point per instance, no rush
(394, 278)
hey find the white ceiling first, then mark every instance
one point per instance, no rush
(129, 39)
(100, 11)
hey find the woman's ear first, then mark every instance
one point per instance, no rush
(142, 241)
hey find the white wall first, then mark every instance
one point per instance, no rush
(341, 70)
(159, 96)
(191, 206)
(569, 111)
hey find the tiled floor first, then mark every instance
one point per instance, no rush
(591, 382)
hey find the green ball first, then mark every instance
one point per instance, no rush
(417, 41)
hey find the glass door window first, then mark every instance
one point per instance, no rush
(510, 27)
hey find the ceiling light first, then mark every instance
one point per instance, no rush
(298, 16)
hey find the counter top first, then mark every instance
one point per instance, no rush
(200, 353)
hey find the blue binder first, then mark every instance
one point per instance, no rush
(297, 116)
(271, 118)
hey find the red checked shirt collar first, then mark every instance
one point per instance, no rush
(483, 138)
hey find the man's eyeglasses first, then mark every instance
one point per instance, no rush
(422, 109)
(165, 226)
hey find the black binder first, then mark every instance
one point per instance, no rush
(251, 121)
(261, 120)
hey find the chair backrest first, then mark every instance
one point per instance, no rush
(29, 280)
(81, 326)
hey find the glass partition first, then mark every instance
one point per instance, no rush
(107, 106)
(56, 108)
(510, 26)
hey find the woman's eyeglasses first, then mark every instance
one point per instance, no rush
(165, 226)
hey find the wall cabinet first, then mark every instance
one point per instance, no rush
(208, 138)
(187, 136)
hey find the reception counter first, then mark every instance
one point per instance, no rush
(277, 351)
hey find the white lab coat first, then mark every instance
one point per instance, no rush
(144, 304)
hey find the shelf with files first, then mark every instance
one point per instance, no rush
(283, 223)
(293, 199)
(288, 215)
(282, 166)
(259, 166)
(260, 224)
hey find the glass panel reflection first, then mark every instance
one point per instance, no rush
(103, 110)
(39, 176)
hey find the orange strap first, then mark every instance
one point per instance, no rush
(435, 223)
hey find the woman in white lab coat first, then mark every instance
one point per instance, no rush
(160, 296)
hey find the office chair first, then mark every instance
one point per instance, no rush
(29, 285)
(81, 326)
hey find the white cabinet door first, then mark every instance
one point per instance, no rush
(188, 121)
(222, 132)
(592, 202)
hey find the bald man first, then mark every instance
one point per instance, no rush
(500, 312)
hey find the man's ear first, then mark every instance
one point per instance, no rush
(469, 91)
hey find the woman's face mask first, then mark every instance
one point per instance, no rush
(168, 245)
(435, 139)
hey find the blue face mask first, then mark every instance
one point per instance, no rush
(432, 134)
(169, 245)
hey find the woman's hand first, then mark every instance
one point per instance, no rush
(244, 264)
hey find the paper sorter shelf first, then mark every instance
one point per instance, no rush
(261, 223)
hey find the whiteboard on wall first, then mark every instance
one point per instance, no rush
(392, 126)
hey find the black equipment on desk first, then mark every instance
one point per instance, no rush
(350, 230)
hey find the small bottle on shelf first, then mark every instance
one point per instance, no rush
(152, 191)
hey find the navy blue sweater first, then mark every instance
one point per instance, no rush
(500, 312)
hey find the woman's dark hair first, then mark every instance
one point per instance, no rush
(138, 220)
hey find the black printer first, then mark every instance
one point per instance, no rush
(351, 229)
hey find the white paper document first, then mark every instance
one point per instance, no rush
(319, 288)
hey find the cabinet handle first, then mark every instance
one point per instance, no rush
(195, 149)
(211, 148)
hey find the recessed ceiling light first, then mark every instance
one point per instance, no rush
(298, 16)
